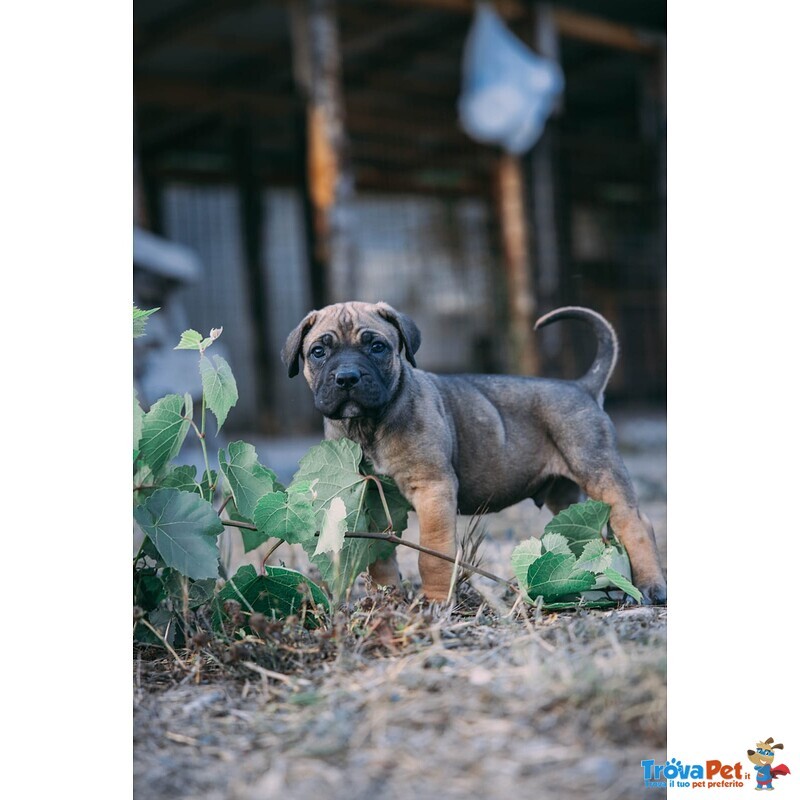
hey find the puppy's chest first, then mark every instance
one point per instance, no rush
(374, 449)
(377, 456)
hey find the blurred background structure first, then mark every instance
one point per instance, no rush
(293, 153)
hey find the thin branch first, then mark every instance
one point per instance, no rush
(269, 553)
(233, 524)
(227, 500)
(383, 499)
(166, 644)
(389, 537)
(392, 539)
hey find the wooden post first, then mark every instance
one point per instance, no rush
(513, 219)
(328, 187)
(544, 218)
(246, 165)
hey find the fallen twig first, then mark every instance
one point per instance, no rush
(390, 537)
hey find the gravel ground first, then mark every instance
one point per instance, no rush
(396, 700)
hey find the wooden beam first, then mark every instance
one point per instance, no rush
(513, 220)
(573, 24)
(510, 9)
(328, 188)
(184, 21)
(597, 30)
(204, 96)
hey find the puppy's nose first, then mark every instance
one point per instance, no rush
(347, 377)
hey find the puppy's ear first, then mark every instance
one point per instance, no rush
(290, 355)
(409, 332)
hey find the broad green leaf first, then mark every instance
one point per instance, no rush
(335, 465)
(522, 557)
(596, 556)
(192, 340)
(553, 575)
(184, 528)
(197, 592)
(184, 478)
(620, 564)
(138, 421)
(303, 489)
(580, 523)
(331, 537)
(162, 619)
(285, 515)
(249, 480)
(555, 543)
(148, 588)
(219, 387)
(163, 430)
(621, 582)
(140, 320)
(276, 594)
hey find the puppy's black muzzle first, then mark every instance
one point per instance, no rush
(349, 388)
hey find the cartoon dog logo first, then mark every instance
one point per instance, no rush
(762, 757)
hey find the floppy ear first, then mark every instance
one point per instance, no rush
(290, 355)
(409, 332)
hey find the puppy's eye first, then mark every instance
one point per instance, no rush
(317, 351)
(377, 347)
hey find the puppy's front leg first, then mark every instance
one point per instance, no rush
(385, 571)
(435, 504)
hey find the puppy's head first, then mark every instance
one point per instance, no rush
(352, 356)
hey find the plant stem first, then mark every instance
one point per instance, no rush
(383, 499)
(390, 537)
(234, 524)
(269, 553)
(227, 500)
(166, 644)
(202, 437)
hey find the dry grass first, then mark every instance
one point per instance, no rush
(402, 700)
(399, 700)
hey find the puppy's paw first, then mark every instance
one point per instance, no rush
(653, 594)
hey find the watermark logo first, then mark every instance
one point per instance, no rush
(676, 774)
(717, 774)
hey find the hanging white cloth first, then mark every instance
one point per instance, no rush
(508, 91)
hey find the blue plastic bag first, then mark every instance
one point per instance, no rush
(508, 91)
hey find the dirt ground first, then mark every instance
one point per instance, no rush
(483, 699)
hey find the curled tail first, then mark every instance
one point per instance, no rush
(596, 378)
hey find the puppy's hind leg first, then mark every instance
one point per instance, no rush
(613, 486)
(601, 473)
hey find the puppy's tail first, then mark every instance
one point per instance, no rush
(596, 378)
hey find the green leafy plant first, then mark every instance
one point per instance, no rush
(178, 567)
(573, 564)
